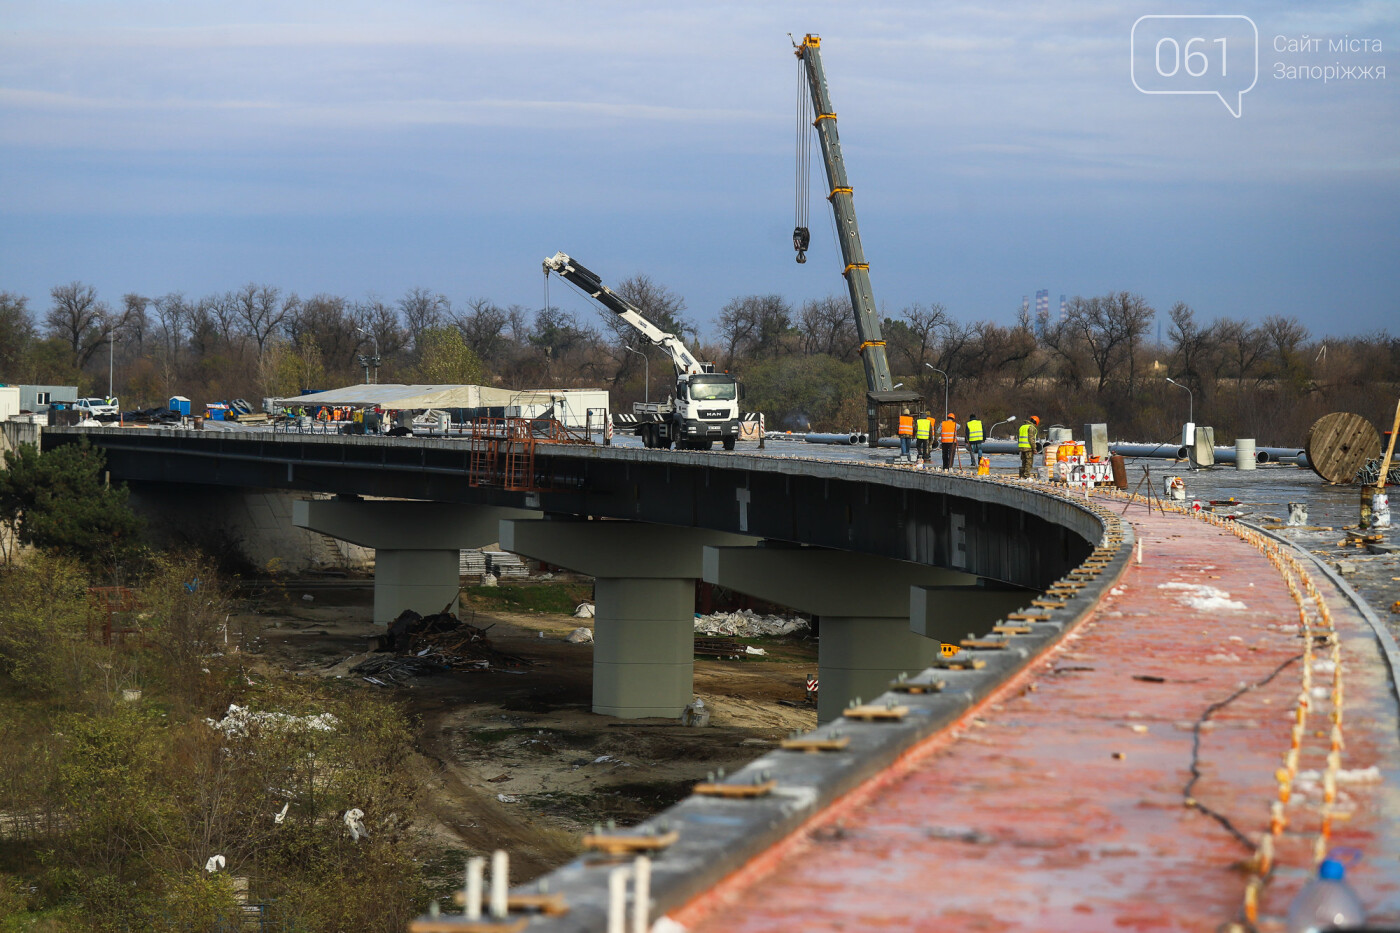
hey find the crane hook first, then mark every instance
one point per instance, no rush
(801, 239)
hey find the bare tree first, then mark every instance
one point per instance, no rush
(1110, 327)
(422, 310)
(483, 326)
(914, 334)
(1284, 336)
(323, 319)
(1191, 343)
(658, 304)
(203, 328)
(172, 314)
(754, 326)
(135, 321)
(1244, 345)
(225, 310)
(260, 312)
(828, 325)
(80, 320)
(16, 330)
(381, 321)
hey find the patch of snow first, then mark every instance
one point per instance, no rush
(239, 721)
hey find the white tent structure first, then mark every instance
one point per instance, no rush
(419, 397)
(571, 406)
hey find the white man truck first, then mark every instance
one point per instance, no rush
(705, 408)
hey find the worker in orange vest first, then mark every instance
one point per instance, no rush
(906, 434)
(948, 439)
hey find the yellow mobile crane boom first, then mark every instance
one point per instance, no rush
(878, 382)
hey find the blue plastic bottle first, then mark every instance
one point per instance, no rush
(1326, 902)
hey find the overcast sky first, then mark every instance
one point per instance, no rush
(994, 148)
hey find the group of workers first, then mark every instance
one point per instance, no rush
(924, 430)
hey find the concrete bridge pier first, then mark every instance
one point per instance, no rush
(867, 634)
(416, 544)
(644, 616)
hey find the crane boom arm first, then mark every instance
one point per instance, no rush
(570, 271)
(857, 273)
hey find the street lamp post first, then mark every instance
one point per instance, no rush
(111, 355)
(365, 361)
(1190, 415)
(945, 387)
(999, 424)
(646, 362)
(1190, 400)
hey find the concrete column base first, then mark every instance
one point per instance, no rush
(417, 544)
(858, 657)
(644, 647)
(644, 615)
(422, 580)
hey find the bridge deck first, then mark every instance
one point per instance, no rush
(1026, 816)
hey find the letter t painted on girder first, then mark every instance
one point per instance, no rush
(743, 496)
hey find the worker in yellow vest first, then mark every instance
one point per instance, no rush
(1025, 442)
(948, 439)
(923, 430)
(975, 435)
(906, 434)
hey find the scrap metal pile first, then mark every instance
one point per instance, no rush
(417, 645)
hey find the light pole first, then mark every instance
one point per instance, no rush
(999, 424)
(1190, 400)
(367, 361)
(111, 354)
(945, 387)
(646, 362)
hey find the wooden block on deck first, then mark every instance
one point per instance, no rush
(1011, 629)
(551, 905)
(816, 744)
(1028, 617)
(983, 643)
(1048, 603)
(870, 713)
(956, 664)
(912, 686)
(463, 925)
(736, 791)
(619, 844)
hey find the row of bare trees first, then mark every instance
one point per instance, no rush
(1098, 361)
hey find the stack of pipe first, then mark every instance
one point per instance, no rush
(844, 439)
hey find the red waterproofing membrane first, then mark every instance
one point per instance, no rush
(1024, 816)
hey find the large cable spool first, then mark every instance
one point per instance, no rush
(1339, 444)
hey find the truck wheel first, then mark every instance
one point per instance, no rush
(729, 443)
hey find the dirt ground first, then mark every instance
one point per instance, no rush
(515, 759)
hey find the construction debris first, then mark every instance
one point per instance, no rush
(431, 644)
(748, 624)
(581, 636)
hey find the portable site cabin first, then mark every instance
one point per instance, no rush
(39, 398)
(180, 405)
(9, 402)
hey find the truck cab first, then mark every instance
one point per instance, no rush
(707, 409)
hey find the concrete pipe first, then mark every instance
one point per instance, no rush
(1245, 456)
(841, 439)
(1157, 451)
(1278, 454)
